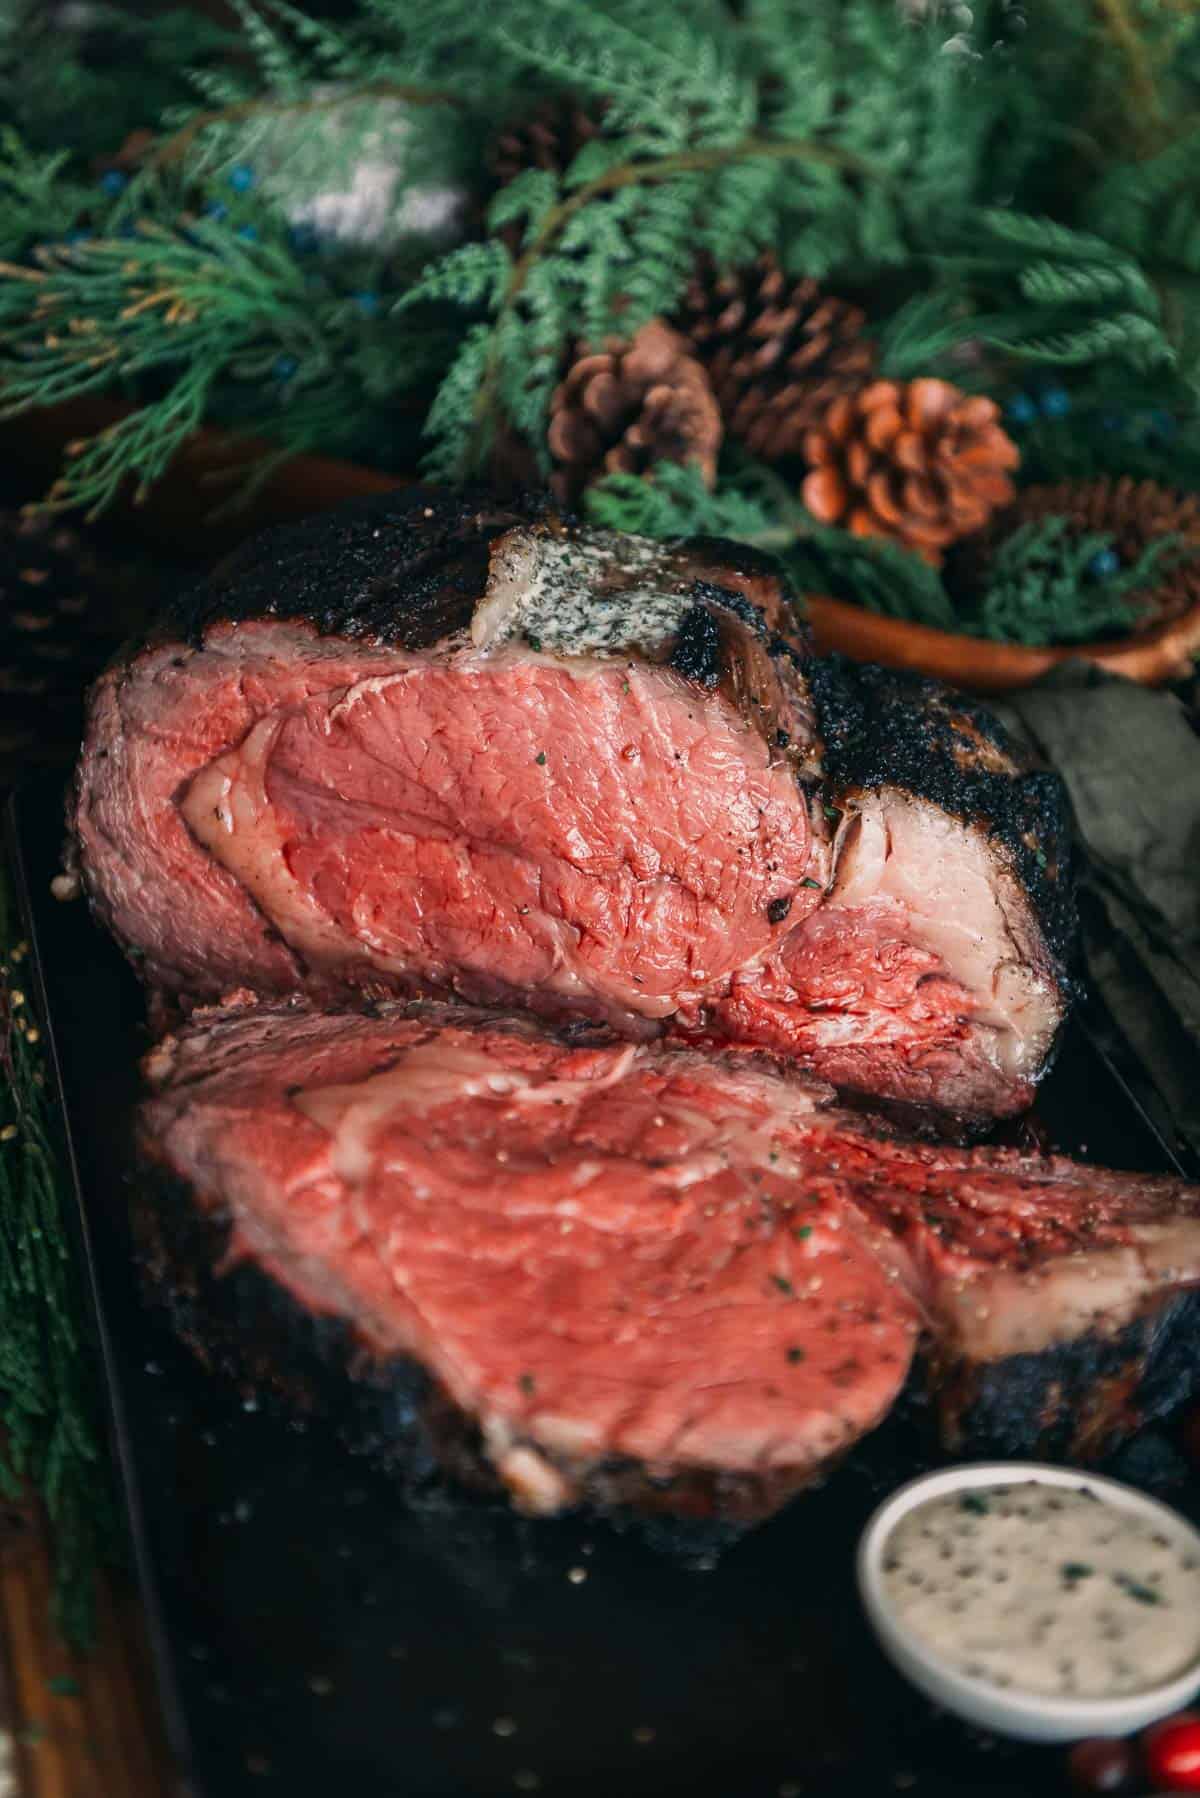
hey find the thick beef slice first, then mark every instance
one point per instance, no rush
(635, 1270)
(424, 748)
(597, 1254)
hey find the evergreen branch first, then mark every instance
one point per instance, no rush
(1047, 585)
(612, 181)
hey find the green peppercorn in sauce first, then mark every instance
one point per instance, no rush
(1046, 1589)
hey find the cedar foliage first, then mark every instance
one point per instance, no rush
(990, 178)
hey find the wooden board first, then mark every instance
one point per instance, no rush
(84, 1726)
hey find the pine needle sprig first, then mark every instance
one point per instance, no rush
(198, 304)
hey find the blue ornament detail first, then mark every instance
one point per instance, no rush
(1104, 564)
(284, 367)
(241, 177)
(248, 233)
(1056, 402)
(367, 302)
(217, 210)
(1021, 409)
(114, 182)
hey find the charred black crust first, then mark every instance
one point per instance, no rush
(1077, 1400)
(885, 728)
(697, 652)
(407, 568)
(247, 1327)
(713, 593)
(401, 568)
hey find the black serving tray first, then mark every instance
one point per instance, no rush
(318, 1629)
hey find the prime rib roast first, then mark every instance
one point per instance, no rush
(615, 1237)
(631, 1272)
(432, 745)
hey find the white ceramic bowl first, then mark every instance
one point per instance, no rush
(1031, 1716)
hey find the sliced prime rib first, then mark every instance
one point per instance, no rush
(428, 744)
(636, 1272)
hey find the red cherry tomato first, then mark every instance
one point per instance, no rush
(1172, 1753)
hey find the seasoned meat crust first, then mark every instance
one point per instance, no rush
(433, 744)
(881, 727)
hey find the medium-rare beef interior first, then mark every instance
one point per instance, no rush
(432, 745)
(637, 1272)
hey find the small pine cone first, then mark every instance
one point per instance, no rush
(1135, 514)
(778, 351)
(920, 463)
(625, 406)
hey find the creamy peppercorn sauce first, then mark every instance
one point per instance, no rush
(1046, 1589)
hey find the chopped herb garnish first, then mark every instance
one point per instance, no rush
(1137, 1591)
(779, 908)
(808, 881)
(527, 1383)
(540, 759)
(978, 1502)
(63, 1686)
(802, 1232)
(784, 1285)
(534, 643)
(794, 1355)
(833, 814)
(1076, 1570)
(1039, 856)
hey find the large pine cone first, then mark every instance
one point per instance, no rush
(778, 351)
(920, 463)
(1135, 514)
(625, 406)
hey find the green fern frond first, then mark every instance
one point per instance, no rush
(452, 426)
(526, 199)
(471, 276)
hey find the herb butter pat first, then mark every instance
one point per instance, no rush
(1045, 1589)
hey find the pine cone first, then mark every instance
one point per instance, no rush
(625, 406)
(778, 351)
(549, 138)
(920, 463)
(1135, 514)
